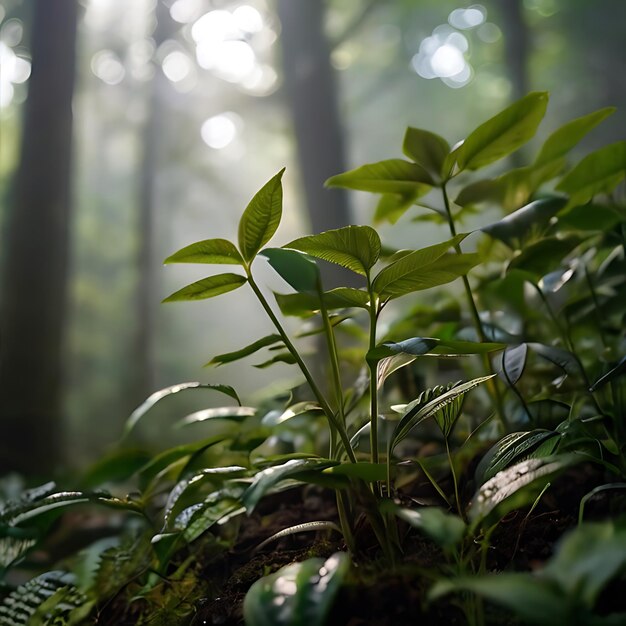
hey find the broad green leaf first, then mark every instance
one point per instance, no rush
(229, 357)
(598, 172)
(401, 280)
(416, 412)
(296, 268)
(445, 529)
(544, 254)
(587, 559)
(512, 189)
(261, 217)
(515, 487)
(504, 133)
(513, 228)
(208, 288)
(232, 413)
(562, 140)
(307, 304)
(369, 472)
(513, 362)
(597, 217)
(427, 149)
(118, 465)
(300, 594)
(267, 478)
(532, 599)
(562, 358)
(514, 447)
(412, 261)
(157, 396)
(218, 251)
(356, 248)
(392, 206)
(391, 176)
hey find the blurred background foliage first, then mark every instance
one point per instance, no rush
(183, 108)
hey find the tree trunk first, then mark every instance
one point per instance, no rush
(147, 299)
(312, 94)
(516, 45)
(34, 285)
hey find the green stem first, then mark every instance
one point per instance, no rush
(455, 481)
(492, 384)
(303, 368)
(373, 367)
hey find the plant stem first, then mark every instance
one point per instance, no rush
(455, 481)
(303, 368)
(373, 367)
(492, 385)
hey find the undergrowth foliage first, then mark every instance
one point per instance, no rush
(486, 398)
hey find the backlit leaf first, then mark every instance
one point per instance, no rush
(157, 396)
(562, 140)
(356, 248)
(392, 206)
(504, 133)
(390, 176)
(296, 268)
(513, 362)
(598, 172)
(261, 217)
(234, 413)
(208, 288)
(218, 251)
(427, 149)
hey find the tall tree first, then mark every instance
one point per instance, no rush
(34, 284)
(146, 257)
(516, 44)
(312, 93)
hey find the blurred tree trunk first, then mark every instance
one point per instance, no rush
(34, 285)
(312, 95)
(147, 262)
(516, 44)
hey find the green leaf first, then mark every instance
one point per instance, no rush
(544, 255)
(414, 346)
(513, 363)
(369, 472)
(261, 217)
(118, 465)
(529, 598)
(612, 374)
(597, 217)
(427, 149)
(307, 304)
(504, 133)
(157, 396)
(267, 478)
(444, 529)
(218, 251)
(598, 172)
(403, 277)
(561, 358)
(562, 140)
(450, 347)
(232, 413)
(356, 248)
(390, 176)
(587, 559)
(513, 228)
(409, 262)
(274, 418)
(416, 412)
(229, 357)
(392, 206)
(515, 487)
(296, 268)
(208, 288)
(300, 594)
(512, 448)
(283, 357)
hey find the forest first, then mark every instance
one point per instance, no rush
(405, 397)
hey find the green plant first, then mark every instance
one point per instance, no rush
(551, 360)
